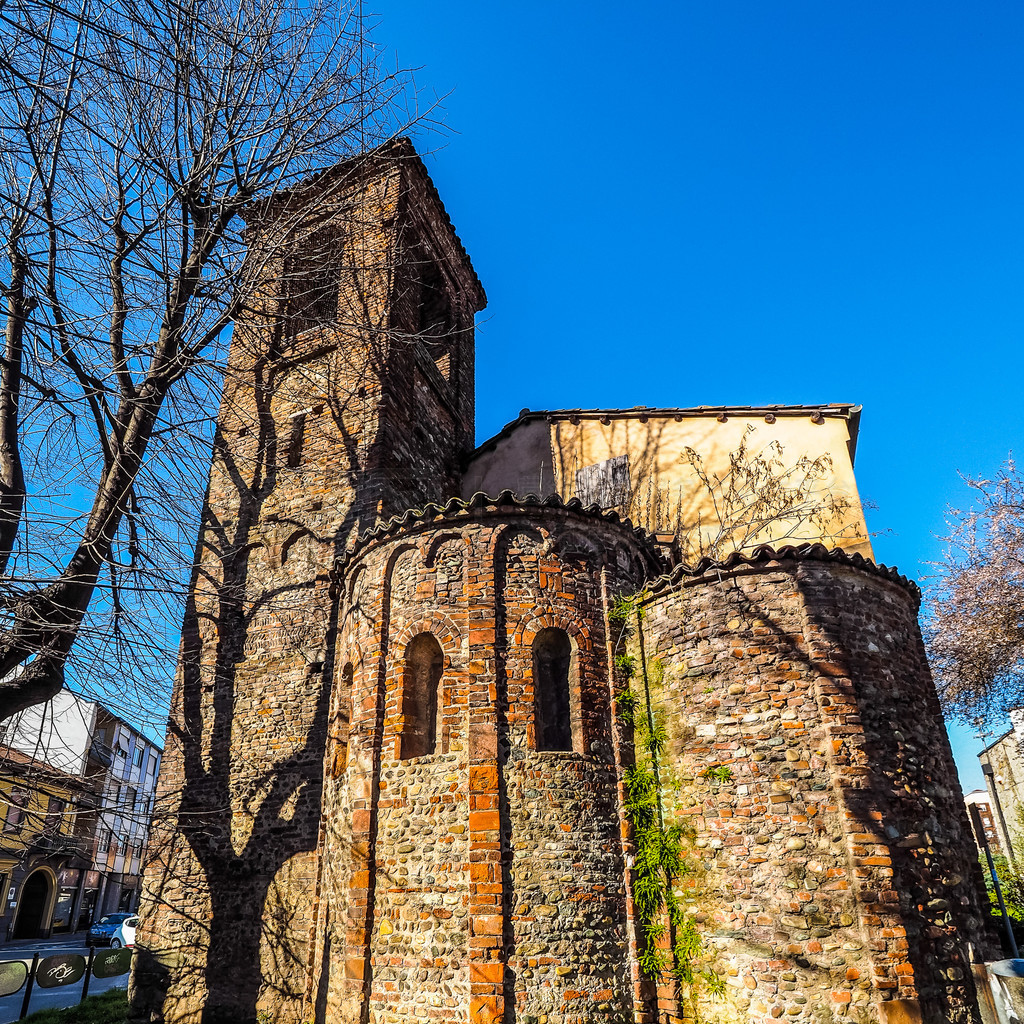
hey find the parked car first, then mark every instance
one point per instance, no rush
(125, 934)
(102, 931)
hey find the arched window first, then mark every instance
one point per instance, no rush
(424, 662)
(552, 664)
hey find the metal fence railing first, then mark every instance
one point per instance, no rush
(60, 970)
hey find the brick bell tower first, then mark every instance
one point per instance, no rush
(348, 397)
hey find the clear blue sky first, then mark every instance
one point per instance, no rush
(745, 203)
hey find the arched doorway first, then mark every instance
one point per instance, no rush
(34, 902)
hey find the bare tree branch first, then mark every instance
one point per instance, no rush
(133, 136)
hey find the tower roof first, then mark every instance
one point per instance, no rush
(348, 172)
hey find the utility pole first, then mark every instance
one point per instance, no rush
(990, 785)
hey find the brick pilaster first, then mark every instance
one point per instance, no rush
(486, 916)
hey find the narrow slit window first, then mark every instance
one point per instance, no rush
(424, 664)
(552, 665)
(435, 313)
(296, 439)
(436, 319)
(342, 722)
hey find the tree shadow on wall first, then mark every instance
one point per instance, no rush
(246, 739)
(243, 811)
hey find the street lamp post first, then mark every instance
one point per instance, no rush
(989, 773)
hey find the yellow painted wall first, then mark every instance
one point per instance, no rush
(14, 844)
(664, 487)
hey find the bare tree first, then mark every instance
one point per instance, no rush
(759, 496)
(975, 626)
(134, 134)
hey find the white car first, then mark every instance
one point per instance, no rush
(125, 934)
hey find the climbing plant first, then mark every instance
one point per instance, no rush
(663, 858)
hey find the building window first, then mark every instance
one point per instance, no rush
(552, 666)
(296, 439)
(54, 813)
(435, 317)
(435, 312)
(424, 663)
(17, 802)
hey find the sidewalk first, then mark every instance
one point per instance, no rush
(23, 947)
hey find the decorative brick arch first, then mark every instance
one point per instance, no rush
(293, 538)
(448, 634)
(571, 544)
(387, 589)
(505, 532)
(339, 725)
(528, 628)
(355, 578)
(437, 541)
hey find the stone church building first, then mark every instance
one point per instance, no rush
(410, 697)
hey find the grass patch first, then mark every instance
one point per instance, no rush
(109, 1008)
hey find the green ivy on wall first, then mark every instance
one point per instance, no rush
(663, 857)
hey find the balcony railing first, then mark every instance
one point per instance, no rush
(102, 753)
(60, 845)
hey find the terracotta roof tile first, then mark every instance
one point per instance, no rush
(765, 554)
(456, 508)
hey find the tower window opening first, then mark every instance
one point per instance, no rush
(311, 286)
(342, 722)
(436, 318)
(424, 664)
(552, 667)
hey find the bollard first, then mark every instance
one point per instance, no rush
(28, 987)
(88, 974)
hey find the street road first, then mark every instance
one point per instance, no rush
(50, 998)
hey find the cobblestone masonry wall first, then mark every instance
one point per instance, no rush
(314, 438)
(485, 882)
(840, 881)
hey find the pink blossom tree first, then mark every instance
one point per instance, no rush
(975, 626)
